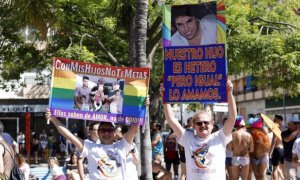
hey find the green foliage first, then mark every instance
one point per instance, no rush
(264, 41)
(268, 47)
(78, 53)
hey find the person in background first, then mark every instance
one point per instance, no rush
(55, 169)
(62, 149)
(158, 171)
(35, 146)
(72, 168)
(241, 146)
(82, 161)
(288, 138)
(296, 152)
(259, 157)
(44, 148)
(21, 142)
(171, 153)
(23, 165)
(156, 140)
(276, 151)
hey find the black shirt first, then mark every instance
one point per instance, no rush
(287, 146)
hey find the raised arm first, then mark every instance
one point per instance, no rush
(129, 136)
(173, 123)
(232, 113)
(78, 142)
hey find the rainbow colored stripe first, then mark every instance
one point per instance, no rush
(63, 91)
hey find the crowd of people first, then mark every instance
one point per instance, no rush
(240, 149)
(100, 98)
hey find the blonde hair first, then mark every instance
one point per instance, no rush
(196, 116)
(55, 161)
(20, 159)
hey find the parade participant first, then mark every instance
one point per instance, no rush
(204, 151)
(55, 170)
(276, 151)
(82, 161)
(241, 146)
(171, 153)
(108, 159)
(288, 138)
(72, 168)
(261, 143)
(6, 160)
(296, 155)
(23, 165)
(192, 31)
(157, 141)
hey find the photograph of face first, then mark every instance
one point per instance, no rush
(99, 94)
(194, 25)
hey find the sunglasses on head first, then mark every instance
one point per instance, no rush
(108, 130)
(200, 123)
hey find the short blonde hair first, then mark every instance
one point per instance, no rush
(55, 161)
(196, 116)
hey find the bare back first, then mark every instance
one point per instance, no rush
(242, 143)
(261, 143)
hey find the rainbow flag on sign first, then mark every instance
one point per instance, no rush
(113, 94)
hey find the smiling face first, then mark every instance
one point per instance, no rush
(187, 26)
(203, 124)
(106, 133)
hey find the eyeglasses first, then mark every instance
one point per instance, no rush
(200, 123)
(108, 130)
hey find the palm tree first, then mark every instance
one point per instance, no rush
(139, 36)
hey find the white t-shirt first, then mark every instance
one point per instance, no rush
(131, 170)
(106, 161)
(296, 151)
(205, 157)
(56, 171)
(208, 26)
(26, 170)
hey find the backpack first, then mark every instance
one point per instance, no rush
(170, 148)
(16, 173)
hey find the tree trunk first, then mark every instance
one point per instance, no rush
(140, 60)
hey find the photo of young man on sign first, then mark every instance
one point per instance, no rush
(194, 25)
(99, 94)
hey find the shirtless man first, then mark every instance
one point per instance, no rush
(261, 148)
(241, 145)
(276, 152)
